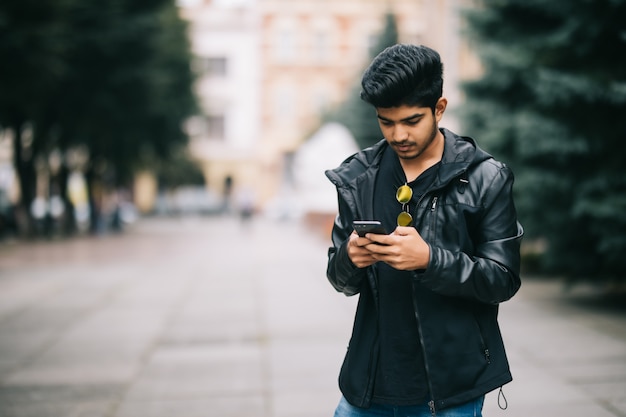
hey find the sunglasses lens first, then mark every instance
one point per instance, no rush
(404, 194)
(404, 219)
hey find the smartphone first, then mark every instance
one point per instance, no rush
(368, 226)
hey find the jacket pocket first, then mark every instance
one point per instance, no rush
(483, 343)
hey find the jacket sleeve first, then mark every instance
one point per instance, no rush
(490, 274)
(341, 272)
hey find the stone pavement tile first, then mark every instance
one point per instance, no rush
(40, 319)
(555, 407)
(605, 390)
(308, 324)
(569, 343)
(199, 371)
(214, 329)
(27, 334)
(602, 380)
(252, 405)
(55, 409)
(534, 384)
(303, 376)
(306, 305)
(22, 394)
(210, 314)
(212, 299)
(591, 307)
(19, 290)
(6, 367)
(561, 363)
(16, 347)
(57, 400)
(537, 391)
(83, 290)
(553, 339)
(93, 352)
(611, 368)
(177, 328)
(304, 364)
(79, 373)
(304, 403)
(618, 407)
(612, 393)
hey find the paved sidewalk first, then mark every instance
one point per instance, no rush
(206, 317)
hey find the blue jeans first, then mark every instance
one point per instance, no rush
(469, 409)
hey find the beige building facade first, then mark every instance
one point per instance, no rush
(224, 37)
(270, 68)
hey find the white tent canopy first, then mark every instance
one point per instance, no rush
(326, 149)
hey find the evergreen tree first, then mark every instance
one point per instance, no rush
(551, 103)
(359, 117)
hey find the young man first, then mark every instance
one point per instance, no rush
(425, 339)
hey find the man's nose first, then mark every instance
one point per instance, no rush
(400, 133)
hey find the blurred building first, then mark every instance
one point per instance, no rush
(271, 67)
(224, 38)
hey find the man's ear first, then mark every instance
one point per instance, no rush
(440, 108)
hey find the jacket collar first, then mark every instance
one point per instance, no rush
(460, 152)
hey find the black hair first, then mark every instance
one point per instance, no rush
(404, 75)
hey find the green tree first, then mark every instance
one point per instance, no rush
(111, 77)
(359, 117)
(31, 52)
(131, 88)
(180, 169)
(551, 103)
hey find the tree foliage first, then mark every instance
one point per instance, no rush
(112, 78)
(130, 82)
(551, 103)
(32, 65)
(358, 116)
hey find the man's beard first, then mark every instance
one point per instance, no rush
(420, 150)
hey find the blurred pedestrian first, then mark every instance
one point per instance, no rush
(425, 340)
(246, 204)
(227, 192)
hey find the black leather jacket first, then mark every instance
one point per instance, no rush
(468, 219)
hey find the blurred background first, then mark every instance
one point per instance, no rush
(126, 109)
(160, 123)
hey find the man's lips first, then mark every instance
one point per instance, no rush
(403, 147)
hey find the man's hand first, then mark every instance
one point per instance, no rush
(358, 251)
(404, 249)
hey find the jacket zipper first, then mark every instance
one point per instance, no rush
(483, 343)
(433, 205)
(431, 403)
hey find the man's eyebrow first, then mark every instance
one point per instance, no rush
(406, 119)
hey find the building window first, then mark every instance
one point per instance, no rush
(216, 126)
(285, 46)
(284, 103)
(195, 126)
(212, 126)
(321, 47)
(212, 66)
(320, 100)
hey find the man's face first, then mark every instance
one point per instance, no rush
(410, 130)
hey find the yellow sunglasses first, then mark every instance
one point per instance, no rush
(404, 195)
